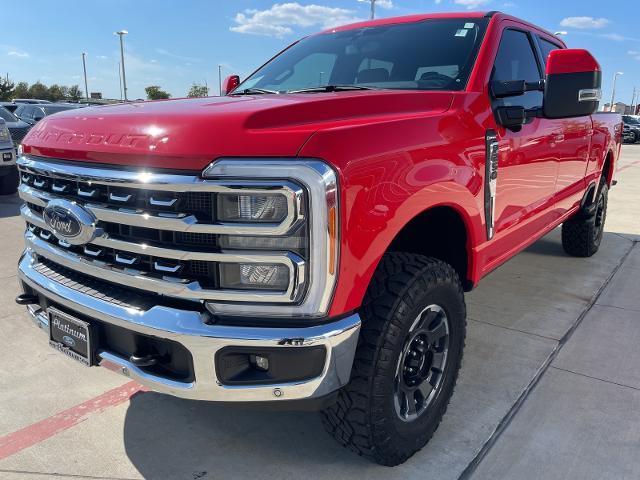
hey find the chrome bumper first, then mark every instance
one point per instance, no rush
(203, 341)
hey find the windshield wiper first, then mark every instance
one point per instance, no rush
(253, 90)
(332, 88)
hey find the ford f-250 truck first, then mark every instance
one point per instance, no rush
(306, 239)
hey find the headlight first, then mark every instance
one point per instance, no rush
(256, 276)
(4, 134)
(252, 208)
(268, 209)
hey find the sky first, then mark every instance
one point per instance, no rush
(175, 43)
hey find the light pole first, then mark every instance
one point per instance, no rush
(613, 90)
(373, 7)
(84, 67)
(220, 79)
(120, 80)
(560, 33)
(121, 34)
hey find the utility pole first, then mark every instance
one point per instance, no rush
(220, 80)
(120, 80)
(121, 34)
(373, 9)
(633, 101)
(613, 90)
(84, 67)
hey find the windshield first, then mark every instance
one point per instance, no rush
(435, 54)
(7, 115)
(631, 120)
(58, 108)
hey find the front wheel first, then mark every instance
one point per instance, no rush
(407, 361)
(582, 235)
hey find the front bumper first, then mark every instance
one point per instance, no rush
(203, 341)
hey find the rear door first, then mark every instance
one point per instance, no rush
(571, 142)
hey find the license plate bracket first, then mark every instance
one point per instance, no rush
(71, 336)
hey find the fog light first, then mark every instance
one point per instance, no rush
(254, 276)
(261, 363)
(252, 208)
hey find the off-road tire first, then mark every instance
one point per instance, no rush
(582, 235)
(364, 417)
(9, 181)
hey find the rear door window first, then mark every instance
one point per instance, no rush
(546, 48)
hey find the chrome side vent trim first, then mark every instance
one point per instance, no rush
(490, 181)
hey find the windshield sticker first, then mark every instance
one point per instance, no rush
(469, 25)
(461, 32)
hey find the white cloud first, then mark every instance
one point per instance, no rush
(471, 4)
(14, 53)
(167, 53)
(281, 18)
(437, 2)
(613, 36)
(101, 57)
(584, 22)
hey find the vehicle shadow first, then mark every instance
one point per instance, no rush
(10, 205)
(167, 437)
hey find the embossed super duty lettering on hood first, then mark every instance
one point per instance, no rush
(189, 133)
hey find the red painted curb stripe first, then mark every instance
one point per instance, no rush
(30, 435)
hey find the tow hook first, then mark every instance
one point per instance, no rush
(145, 361)
(27, 299)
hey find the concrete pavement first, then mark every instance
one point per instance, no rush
(548, 388)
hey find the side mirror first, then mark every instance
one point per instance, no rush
(230, 84)
(572, 84)
(37, 118)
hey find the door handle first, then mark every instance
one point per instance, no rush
(557, 137)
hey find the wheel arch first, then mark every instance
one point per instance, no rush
(452, 243)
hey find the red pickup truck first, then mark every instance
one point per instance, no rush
(305, 240)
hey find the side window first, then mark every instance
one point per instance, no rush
(27, 112)
(546, 47)
(516, 60)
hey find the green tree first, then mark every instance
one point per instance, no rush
(155, 93)
(21, 90)
(56, 92)
(197, 90)
(6, 88)
(74, 93)
(38, 90)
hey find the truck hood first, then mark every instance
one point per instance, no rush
(190, 133)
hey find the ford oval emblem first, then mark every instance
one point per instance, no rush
(68, 341)
(70, 222)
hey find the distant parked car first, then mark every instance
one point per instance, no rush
(32, 114)
(634, 126)
(8, 169)
(9, 106)
(627, 135)
(30, 100)
(17, 127)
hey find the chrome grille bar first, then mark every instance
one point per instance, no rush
(172, 221)
(175, 254)
(174, 287)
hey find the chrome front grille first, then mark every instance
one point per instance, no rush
(159, 232)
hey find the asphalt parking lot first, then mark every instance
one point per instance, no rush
(550, 386)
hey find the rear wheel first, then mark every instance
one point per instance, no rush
(407, 360)
(582, 235)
